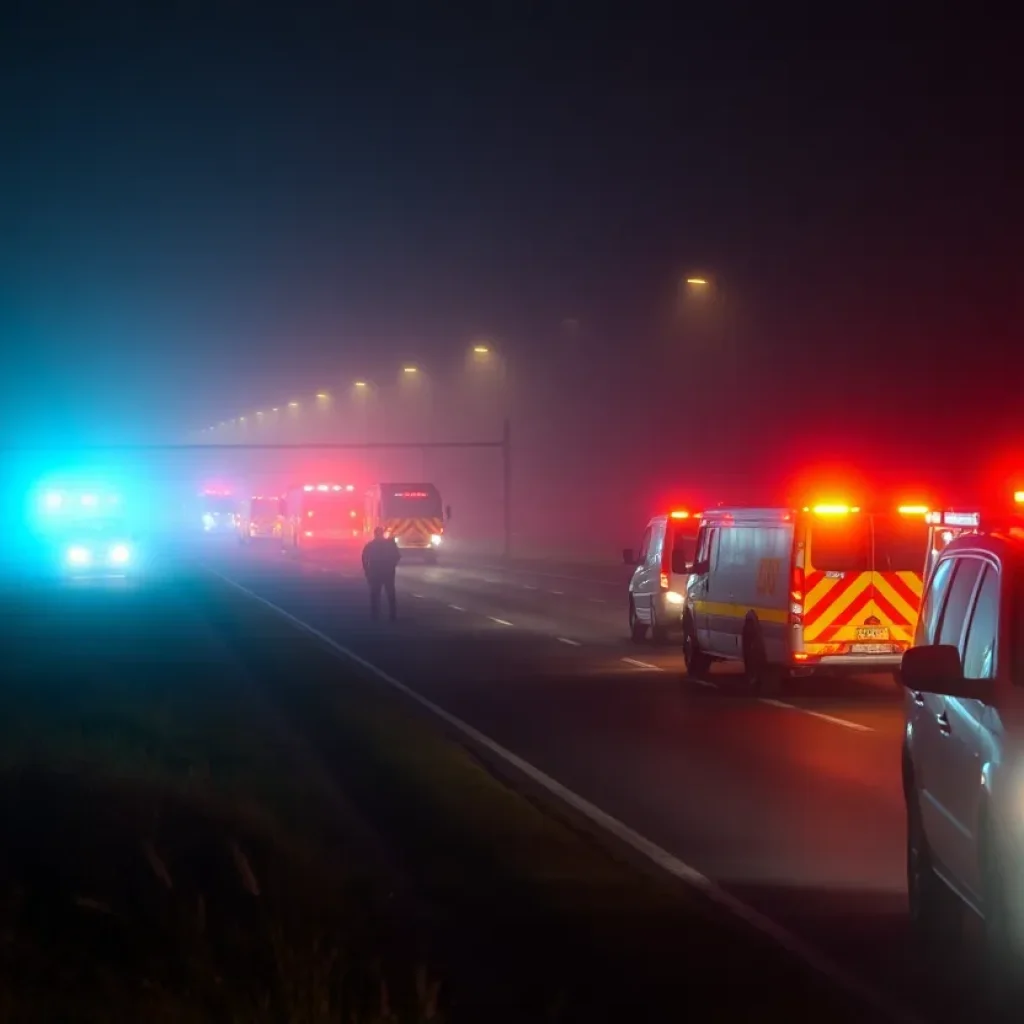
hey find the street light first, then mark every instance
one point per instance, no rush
(322, 395)
(699, 282)
(481, 350)
(359, 384)
(293, 405)
(410, 369)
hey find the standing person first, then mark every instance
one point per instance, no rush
(380, 560)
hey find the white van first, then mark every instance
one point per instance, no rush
(657, 588)
(784, 589)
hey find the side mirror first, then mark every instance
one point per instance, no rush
(448, 512)
(680, 566)
(629, 556)
(937, 669)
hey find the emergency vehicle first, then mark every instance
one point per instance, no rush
(945, 525)
(219, 510)
(87, 533)
(260, 518)
(411, 514)
(788, 590)
(657, 588)
(321, 516)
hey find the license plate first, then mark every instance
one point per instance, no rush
(872, 633)
(872, 648)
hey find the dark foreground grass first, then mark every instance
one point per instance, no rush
(166, 854)
(570, 923)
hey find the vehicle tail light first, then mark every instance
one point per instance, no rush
(796, 595)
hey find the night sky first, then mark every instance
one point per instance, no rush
(202, 210)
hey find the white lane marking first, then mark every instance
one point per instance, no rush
(500, 622)
(706, 682)
(643, 664)
(558, 592)
(420, 596)
(668, 862)
(844, 722)
(529, 586)
(551, 575)
(456, 608)
(566, 640)
(597, 600)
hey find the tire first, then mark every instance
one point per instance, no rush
(761, 678)
(936, 914)
(698, 664)
(637, 629)
(659, 634)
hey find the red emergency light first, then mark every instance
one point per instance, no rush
(328, 487)
(410, 494)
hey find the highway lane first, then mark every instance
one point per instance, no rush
(794, 804)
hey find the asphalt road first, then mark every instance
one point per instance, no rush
(792, 804)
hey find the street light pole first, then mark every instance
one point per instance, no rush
(506, 465)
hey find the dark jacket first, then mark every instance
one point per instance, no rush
(380, 557)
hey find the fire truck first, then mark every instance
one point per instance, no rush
(411, 514)
(321, 516)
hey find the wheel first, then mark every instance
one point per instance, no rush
(936, 913)
(637, 630)
(697, 662)
(659, 634)
(761, 678)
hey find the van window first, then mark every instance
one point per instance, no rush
(843, 544)
(685, 543)
(657, 544)
(958, 604)
(928, 620)
(645, 545)
(980, 649)
(901, 543)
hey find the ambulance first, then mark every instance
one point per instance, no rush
(260, 517)
(945, 525)
(786, 591)
(411, 514)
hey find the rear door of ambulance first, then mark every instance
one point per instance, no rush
(863, 586)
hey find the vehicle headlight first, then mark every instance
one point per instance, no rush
(673, 598)
(119, 554)
(78, 555)
(207, 520)
(435, 539)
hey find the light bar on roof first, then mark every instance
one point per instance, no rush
(679, 514)
(953, 518)
(832, 510)
(913, 510)
(1018, 497)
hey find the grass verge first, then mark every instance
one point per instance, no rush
(167, 856)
